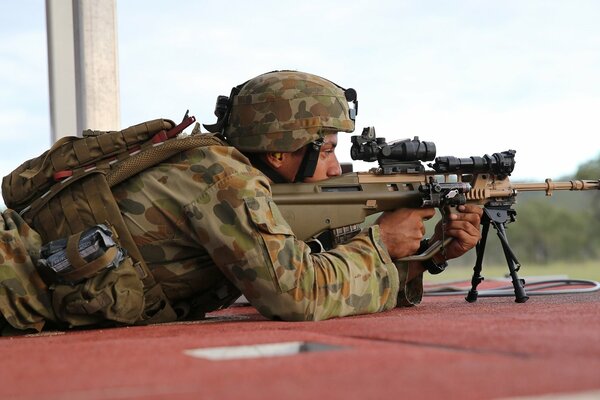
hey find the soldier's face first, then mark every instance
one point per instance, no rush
(287, 164)
(328, 165)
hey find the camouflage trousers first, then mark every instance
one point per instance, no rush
(25, 302)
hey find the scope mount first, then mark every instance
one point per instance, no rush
(402, 156)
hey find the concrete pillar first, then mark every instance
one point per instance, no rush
(83, 66)
(96, 66)
(61, 68)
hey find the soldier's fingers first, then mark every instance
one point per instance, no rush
(472, 218)
(470, 208)
(462, 239)
(462, 226)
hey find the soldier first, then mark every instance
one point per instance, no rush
(206, 223)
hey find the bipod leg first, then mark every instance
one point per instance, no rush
(479, 249)
(511, 260)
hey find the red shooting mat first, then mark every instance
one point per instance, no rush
(443, 348)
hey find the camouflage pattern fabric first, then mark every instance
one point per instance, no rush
(209, 230)
(285, 110)
(207, 226)
(24, 299)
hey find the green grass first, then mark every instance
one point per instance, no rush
(576, 270)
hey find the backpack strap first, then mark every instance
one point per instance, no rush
(156, 154)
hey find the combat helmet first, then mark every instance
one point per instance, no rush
(282, 111)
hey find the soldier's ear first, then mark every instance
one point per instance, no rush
(275, 160)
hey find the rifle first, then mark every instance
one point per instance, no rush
(329, 212)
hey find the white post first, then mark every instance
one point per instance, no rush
(83, 66)
(96, 66)
(61, 69)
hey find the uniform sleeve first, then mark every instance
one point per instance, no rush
(237, 222)
(410, 292)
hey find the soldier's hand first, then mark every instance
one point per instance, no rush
(402, 230)
(464, 227)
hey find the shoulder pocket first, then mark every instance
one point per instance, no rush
(278, 239)
(266, 216)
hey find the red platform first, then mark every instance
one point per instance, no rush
(443, 348)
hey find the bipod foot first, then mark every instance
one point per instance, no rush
(520, 295)
(473, 293)
(472, 296)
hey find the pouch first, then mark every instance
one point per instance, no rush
(92, 279)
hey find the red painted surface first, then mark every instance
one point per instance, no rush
(443, 348)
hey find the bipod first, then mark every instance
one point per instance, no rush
(498, 217)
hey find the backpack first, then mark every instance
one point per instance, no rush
(65, 196)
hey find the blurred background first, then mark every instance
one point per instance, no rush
(475, 77)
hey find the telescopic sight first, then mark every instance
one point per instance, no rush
(501, 164)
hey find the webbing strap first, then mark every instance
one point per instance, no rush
(87, 269)
(104, 208)
(69, 210)
(154, 155)
(95, 198)
(91, 306)
(106, 143)
(32, 173)
(37, 204)
(82, 152)
(73, 251)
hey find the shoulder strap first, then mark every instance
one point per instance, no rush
(146, 159)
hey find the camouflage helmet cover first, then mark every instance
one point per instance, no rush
(285, 110)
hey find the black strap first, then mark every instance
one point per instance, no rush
(310, 160)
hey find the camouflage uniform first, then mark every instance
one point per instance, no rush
(207, 226)
(25, 302)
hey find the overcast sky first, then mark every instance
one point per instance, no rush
(475, 77)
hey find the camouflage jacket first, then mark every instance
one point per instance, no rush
(209, 230)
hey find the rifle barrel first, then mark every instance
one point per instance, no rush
(549, 186)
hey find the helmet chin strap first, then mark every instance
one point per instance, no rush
(305, 170)
(309, 161)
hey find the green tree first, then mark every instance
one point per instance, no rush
(562, 228)
(545, 233)
(591, 170)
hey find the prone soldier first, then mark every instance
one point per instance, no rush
(206, 221)
(208, 229)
